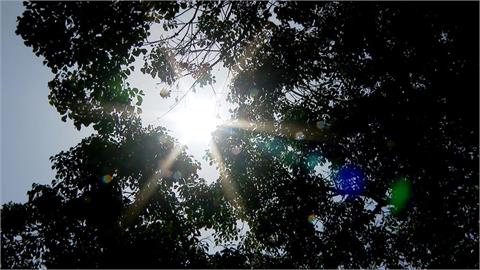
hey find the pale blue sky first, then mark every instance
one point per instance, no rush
(31, 129)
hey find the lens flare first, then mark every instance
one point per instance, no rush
(106, 179)
(311, 218)
(400, 194)
(299, 136)
(236, 150)
(274, 146)
(149, 188)
(313, 160)
(253, 92)
(390, 144)
(321, 124)
(349, 180)
(177, 176)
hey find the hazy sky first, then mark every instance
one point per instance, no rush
(31, 129)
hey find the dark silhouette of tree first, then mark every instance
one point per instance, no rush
(123, 204)
(353, 143)
(379, 93)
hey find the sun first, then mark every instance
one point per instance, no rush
(196, 121)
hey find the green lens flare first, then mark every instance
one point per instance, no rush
(400, 194)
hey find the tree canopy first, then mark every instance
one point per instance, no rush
(353, 142)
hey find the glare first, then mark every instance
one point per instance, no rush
(196, 120)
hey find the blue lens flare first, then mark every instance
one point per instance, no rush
(350, 180)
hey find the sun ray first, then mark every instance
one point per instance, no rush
(290, 131)
(228, 186)
(144, 194)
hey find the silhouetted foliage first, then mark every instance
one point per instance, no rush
(112, 204)
(390, 90)
(353, 143)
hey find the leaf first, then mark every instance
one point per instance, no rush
(136, 52)
(139, 100)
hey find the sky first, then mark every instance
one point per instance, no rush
(31, 129)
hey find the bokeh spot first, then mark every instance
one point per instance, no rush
(401, 192)
(321, 124)
(274, 146)
(299, 136)
(350, 179)
(253, 92)
(236, 150)
(313, 161)
(390, 144)
(106, 179)
(177, 176)
(311, 218)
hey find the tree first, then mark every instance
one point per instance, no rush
(126, 203)
(353, 143)
(378, 81)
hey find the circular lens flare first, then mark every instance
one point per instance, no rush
(106, 179)
(236, 150)
(401, 191)
(311, 218)
(350, 179)
(299, 136)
